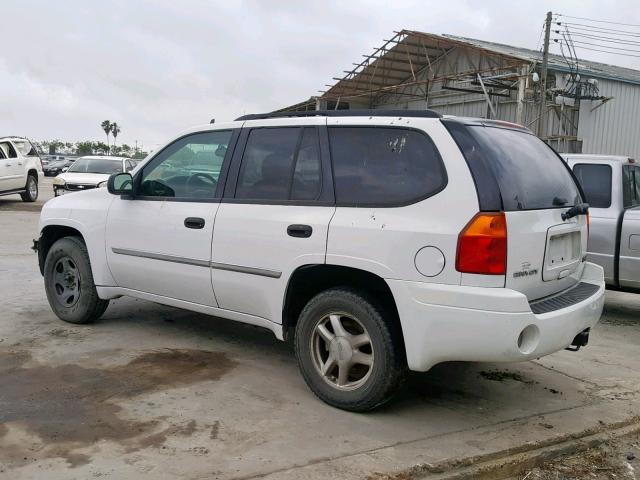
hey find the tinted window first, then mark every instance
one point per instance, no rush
(188, 168)
(280, 164)
(517, 166)
(306, 176)
(596, 183)
(8, 150)
(384, 166)
(631, 187)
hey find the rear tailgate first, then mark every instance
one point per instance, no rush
(517, 173)
(544, 253)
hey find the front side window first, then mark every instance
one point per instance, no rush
(8, 150)
(384, 166)
(280, 164)
(188, 168)
(596, 183)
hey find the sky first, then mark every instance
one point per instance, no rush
(158, 67)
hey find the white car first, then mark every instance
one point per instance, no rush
(380, 241)
(20, 168)
(90, 172)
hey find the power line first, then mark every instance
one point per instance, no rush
(560, 41)
(580, 42)
(600, 21)
(593, 29)
(600, 38)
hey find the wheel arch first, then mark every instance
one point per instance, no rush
(309, 280)
(49, 235)
(33, 172)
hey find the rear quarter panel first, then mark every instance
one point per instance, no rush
(385, 240)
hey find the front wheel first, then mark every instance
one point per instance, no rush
(349, 350)
(31, 190)
(69, 282)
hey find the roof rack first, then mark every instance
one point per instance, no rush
(344, 113)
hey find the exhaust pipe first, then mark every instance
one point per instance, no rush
(581, 340)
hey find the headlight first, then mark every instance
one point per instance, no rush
(59, 181)
(102, 184)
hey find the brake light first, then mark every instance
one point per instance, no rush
(588, 224)
(482, 245)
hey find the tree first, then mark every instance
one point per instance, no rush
(107, 126)
(84, 148)
(115, 130)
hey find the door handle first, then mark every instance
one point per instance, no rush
(299, 231)
(194, 222)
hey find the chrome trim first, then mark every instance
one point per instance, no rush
(160, 256)
(198, 263)
(249, 270)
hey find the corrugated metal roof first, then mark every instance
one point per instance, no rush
(556, 62)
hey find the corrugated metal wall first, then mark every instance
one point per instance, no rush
(613, 128)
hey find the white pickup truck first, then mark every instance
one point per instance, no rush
(612, 187)
(20, 168)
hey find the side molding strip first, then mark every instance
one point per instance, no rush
(198, 263)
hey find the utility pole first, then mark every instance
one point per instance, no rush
(542, 121)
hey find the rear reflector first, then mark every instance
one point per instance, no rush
(482, 245)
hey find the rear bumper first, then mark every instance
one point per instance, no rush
(456, 323)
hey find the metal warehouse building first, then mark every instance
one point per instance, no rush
(589, 107)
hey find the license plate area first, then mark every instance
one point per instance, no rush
(563, 254)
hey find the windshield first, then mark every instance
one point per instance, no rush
(528, 173)
(96, 165)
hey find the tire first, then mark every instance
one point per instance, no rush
(365, 386)
(69, 282)
(31, 189)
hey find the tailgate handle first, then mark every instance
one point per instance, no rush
(580, 209)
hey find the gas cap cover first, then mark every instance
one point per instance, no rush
(429, 261)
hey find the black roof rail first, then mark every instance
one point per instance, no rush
(343, 113)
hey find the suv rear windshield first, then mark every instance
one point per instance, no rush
(513, 169)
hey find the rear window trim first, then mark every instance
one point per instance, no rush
(490, 178)
(413, 201)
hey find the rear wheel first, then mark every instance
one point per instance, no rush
(349, 350)
(31, 190)
(69, 282)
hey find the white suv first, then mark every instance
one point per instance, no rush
(20, 168)
(379, 241)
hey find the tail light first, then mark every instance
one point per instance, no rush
(482, 245)
(588, 224)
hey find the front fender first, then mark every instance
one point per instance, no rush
(85, 212)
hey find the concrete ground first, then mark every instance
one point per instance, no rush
(155, 392)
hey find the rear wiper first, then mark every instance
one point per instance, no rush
(579, 209)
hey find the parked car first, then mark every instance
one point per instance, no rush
(89, 172)
(612, 187)
(380, 241)
(56, 167)
(20, 168)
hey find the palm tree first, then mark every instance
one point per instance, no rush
(107, 126)
(115, 130)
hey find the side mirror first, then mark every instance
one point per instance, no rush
(65, 169)
(120, 184)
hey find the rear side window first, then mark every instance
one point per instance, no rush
(379, 166)
(631, 187)
(514, 170)
(280, 164)
(596, 183)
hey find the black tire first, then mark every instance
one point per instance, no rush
(389, 364)
(84, 307)
(30, 193)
